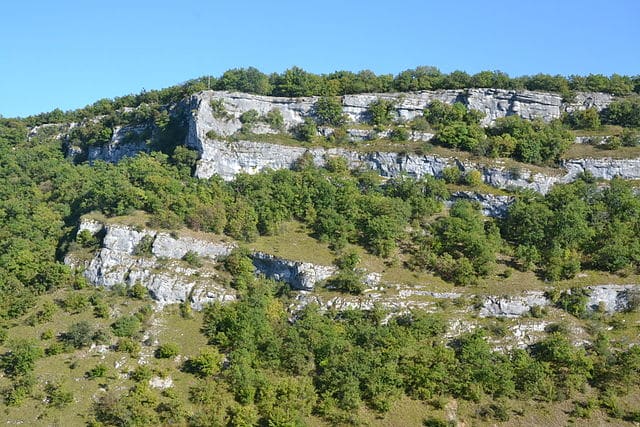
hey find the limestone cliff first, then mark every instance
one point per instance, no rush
(228, 158)
(208, 131)
(170, 280)
(158, 266)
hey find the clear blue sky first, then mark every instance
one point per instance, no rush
(70, 53)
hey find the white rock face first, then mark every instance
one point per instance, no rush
(227, 159)
(299, 275)
(612, 298)
(603, 168)
(118, 148)
(492, 205)
(167, 246)
(512, 306)
(169, 281)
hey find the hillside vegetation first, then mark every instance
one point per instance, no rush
(73, 354)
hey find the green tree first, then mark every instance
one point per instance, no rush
(247, 80)
(381, 112)
(79, 335)
(126, 326)
(328, 111)
(21, 358)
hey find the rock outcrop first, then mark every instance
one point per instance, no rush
(171, 280)
(228, 158)
(209, 130)
(512, 306)
(492, 205)
(606, 168)
(612, 298)
(160, 269)
(125, 142)
(299, 275)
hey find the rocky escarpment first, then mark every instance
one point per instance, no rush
(298, 275)
(494, 103)
(172, 280)
(603, 168)
(129, 255)
(125, 142)
(491, 205)
(207, 134)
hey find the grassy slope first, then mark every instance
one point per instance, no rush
(293, 243)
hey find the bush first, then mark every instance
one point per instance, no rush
(461, 135)
(144, 246)
(206, 364)
(127, 345)
(399, 134)
(249, 117)
(101, 336)
(193, 259)
(218, 110)
(87, 240)
(573, 301)
(613, 143)
(451, 175)
(80, 335)
(126, 326)
(57, 396)
(98, 371)
(630, 138)
(275, 120)
(473, 178)
(141, 373)
(346, 281)
(21, 358)
(438, 113)
(307, 130)
(167, 351)
(75, 303)
(381, 112)
(328, 111)
(138, 291)
(101, 310)
(55, 349)
(584, 119)
(623, 112)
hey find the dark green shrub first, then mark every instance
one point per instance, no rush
(218, 109)
(75, 303)
(328, 111)
(167, 351)
(381, 112)
(57, 396)
(193, 259)
(79, 335)
(275, 120)
(98, 371)
(399, 134)
(206, 364)
(141, 373)
(127, 345)
(249, 117)
(145, 245)
(126, 326)
(138, 291)
(306, 131)
(87, 240)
